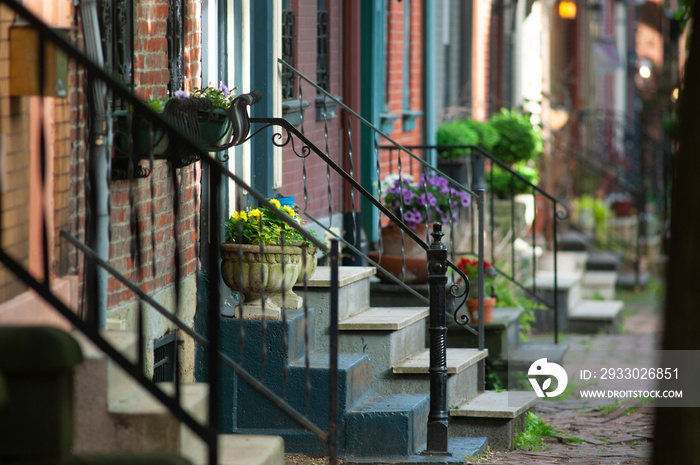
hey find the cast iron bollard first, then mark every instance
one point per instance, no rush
(437, 280)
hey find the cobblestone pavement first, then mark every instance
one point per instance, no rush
(599, 431)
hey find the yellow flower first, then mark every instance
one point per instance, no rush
(240, 216)
(289, 211)
(255, 215)
(276, 203)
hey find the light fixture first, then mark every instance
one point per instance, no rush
(567, 9)
(645, 68)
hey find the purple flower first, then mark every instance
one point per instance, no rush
(224, 90)
(181, 94)
(465, 200)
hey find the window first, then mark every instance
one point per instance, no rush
(288, 36)
(176, 45)
(322, 45)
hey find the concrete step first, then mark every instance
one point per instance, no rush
(521, 358)
(567, 261)
(500, 336)
(394, 295)
(387, 425)
(384, 319)
(353, 297)
(388, 335)
(592, 316)
(459, 450)
(103, 371)
(598, 285)
(628, 280)
(246, 449)
(144, 424)
(255, 414)
(603, 261)
(568, 289)
(576, 241)
(413, 374)
(497, 415)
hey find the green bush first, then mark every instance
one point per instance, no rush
(518, 139)
(456, 133)
(501, 180)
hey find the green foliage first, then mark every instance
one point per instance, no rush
(263, 225)
(502, 180)
(456, 133)
(466, 132)
(592, 213)
(518, 139)
(531, 438)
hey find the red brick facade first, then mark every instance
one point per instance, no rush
(306, 46)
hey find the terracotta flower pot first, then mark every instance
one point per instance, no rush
(416, 268)
(473, 306)
(244, 269)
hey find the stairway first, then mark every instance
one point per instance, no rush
(586, 287)
(383, 387)
(113, 414)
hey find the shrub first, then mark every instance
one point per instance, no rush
(518, 139)
(466, 132)
(501, 180)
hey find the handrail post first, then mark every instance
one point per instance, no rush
(481, 365)
(437, 280)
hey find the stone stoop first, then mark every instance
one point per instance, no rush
(113, 414)
(390, 420)
(498, 415)
(462, 374)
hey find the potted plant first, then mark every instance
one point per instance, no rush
(470, 267)
(417, 204)
(462, 132)
(211, 121)
(264, 255)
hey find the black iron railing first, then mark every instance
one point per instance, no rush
(475, 166)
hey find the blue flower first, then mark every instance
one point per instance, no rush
(224, 90)
(181, 94)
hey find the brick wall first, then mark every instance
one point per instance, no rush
(14, 164)
(396, 80)
(316, 184)
(127, 199)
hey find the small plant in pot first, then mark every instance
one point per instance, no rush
(417, 204)
(470, 267)
(211, 121)
(462, 132)
(264, 255)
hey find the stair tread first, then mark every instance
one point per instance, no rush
(458, 360)
(599, 278)
(384, 318)
(492, 404)
(245, 449)
(250, 449)
(346, 275)
(123, 341)
(596, 309)
(140, 402)
(544, 279)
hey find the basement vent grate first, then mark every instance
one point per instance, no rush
(164, 358)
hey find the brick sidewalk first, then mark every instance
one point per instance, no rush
(599, 431)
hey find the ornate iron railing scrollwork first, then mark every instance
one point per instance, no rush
(461, 318)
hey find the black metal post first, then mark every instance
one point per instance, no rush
(437, 280)
(214, 314)
(333, 373)
(481, 364)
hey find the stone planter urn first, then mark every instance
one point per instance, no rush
(246, 270)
